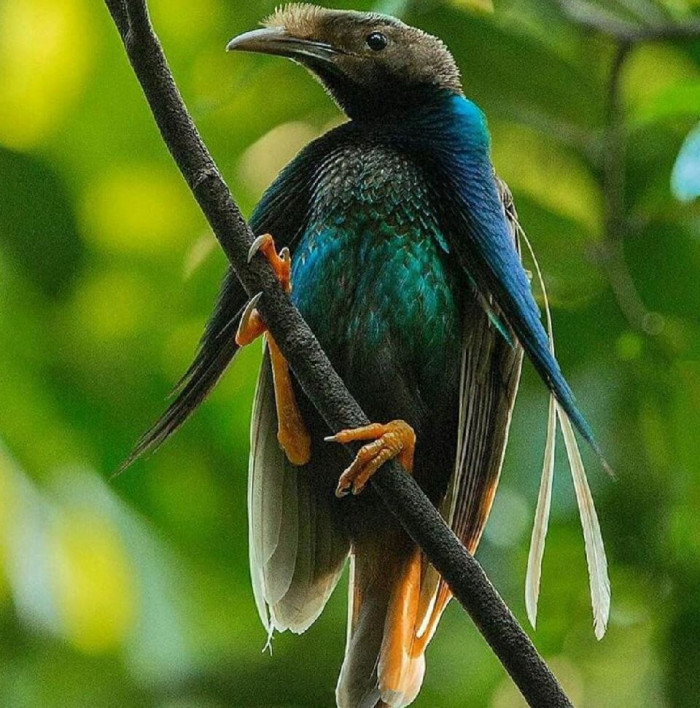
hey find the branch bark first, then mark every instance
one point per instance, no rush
(321, 383)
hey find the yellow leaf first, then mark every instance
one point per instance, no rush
(139, 209)
(479, 5)
(263, 160)
(46, 49)
(552, 175)
(93, 581)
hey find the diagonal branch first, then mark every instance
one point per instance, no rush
(320, 382)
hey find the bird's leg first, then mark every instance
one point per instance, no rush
(291, 430)
(391, 440)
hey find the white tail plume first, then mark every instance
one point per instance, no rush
(593, 540)
(595, 551)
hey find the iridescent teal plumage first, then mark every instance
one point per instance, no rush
(369, 272)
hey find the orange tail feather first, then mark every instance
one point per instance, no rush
(400, 670)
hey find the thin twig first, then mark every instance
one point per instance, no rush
(595, 18)
(626, 36)
(616, 226)
(320, 382)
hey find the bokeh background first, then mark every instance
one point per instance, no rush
(134, 591)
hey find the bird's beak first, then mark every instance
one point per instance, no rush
(276, 40)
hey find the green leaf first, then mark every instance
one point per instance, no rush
(478, 5)
(37, 224)
(680, 100)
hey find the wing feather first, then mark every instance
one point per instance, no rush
(593, 540)
(490, 374)
(283, 212)
(539, 529)
(297, 547)
(471, 199)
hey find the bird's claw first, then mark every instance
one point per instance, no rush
(251, 325)
(393, 440)
(255, 246)
(291, 430)
(281, 262)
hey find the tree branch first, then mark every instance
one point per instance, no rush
(597, 19)
(626, 36)
(616, 225)
(314, 372)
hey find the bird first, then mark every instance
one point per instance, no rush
(401, 248)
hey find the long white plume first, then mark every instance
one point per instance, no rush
(539, 529)
(593, 540)
(544, 498)
(595, 551)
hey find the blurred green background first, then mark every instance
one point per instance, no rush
(134, 591)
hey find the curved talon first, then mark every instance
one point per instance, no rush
(281, 262)
(251, 325)
(257, 245)
(396, 439)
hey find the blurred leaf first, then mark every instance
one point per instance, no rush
(265, 158)
(564, 250)
(555, 176)
(685, 179)
(139, 209)
(665, 261)
(652, 152)
(505, 69)
(659, 81)
(46, 50)
(82, 566)
(479, 5)
(678, 100)
(37, 224)
(92, 579)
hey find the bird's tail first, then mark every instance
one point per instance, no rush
(388, 631)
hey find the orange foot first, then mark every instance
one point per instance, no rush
(251, 325)
(291, 430)
(393, 440)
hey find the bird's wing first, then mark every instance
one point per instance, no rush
(297, 546)
(281, 212)
(477, 231)
(489, 378)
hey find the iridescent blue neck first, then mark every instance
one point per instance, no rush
(442, 119)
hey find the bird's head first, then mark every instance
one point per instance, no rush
(373, 65)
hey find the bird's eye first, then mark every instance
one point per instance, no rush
(377, 41)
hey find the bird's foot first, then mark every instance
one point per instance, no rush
(251, 325)
(396, 439)
(292, 433)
